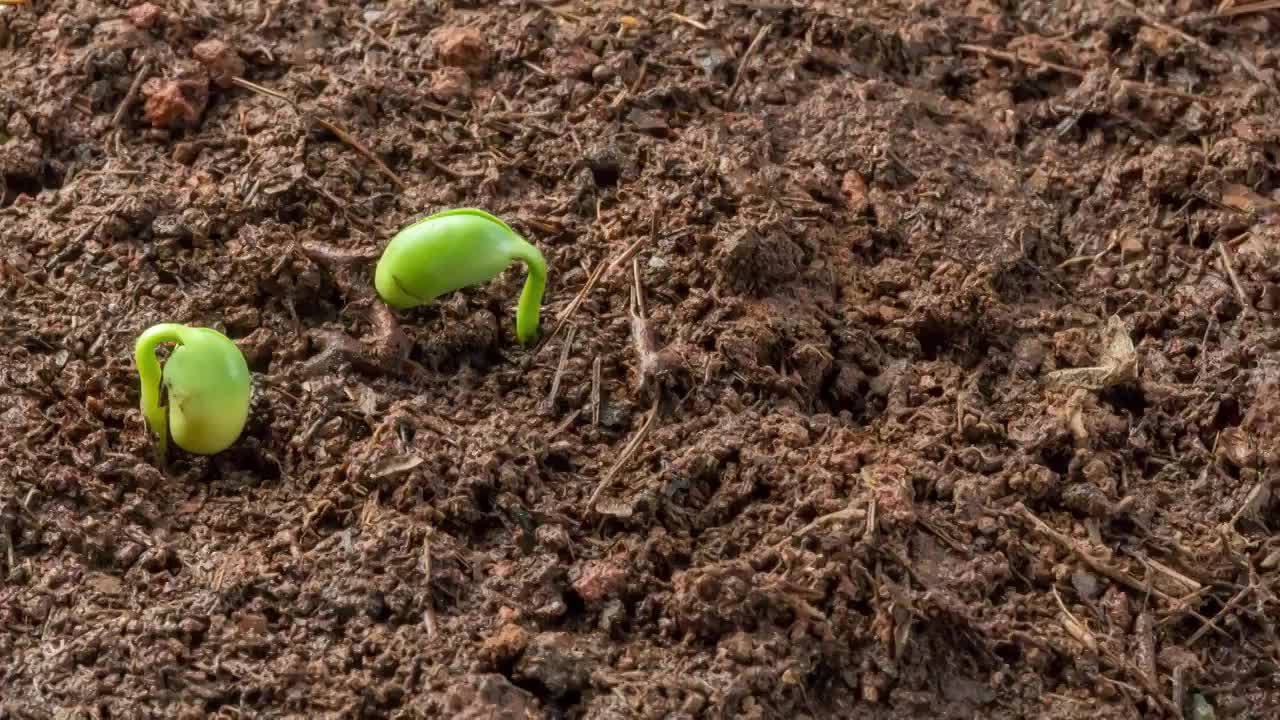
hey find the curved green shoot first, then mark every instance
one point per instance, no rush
(454, 249)
(207, 382)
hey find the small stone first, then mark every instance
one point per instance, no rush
(599, 579)
(145, 16)
(557, 662)
(450, 83)
(504, 646)
(855, 192)
(157, 558)
(222, 61)
(127, 554)
(602, 73)
(462, 47)
(1201, 709)
(105, 584)
(174, 103)
(186, 153)
(605, 163)
(1132, 247)
(1086, 584)
(252, 624)
(1086, 499)
(553, 537)
(579, 62)
(1236, 448)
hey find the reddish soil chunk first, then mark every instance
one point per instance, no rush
(145, 16)
(464, 47)
(449, 84)
(221, 60)
(174, 103)
(918, 360)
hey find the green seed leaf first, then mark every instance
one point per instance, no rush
(207, 382)
(454, 249)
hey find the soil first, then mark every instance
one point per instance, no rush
(950, 388)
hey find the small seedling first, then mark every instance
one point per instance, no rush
(454, 249)
(206, 380)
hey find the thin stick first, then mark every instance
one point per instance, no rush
(746, 56)
(1235, 279)
(344, 136)
(535, 68)
(1096, 564)
(564, 359)
(341, 134)
(689, 21)
(1064, 69)
(566, 423)
(595, 392)
(1019, 60)
(629, 253)
(1073, 626)
(602, 271)
(1235, 58)
(133, 89)
(850, 513)
(627, 452)
(1212, 623)
(639, 288)
(430, 614)
(1249, 8)
(641, 335)
(577, 300)
(455, 174)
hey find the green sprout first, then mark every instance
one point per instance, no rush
(207, 382)
(454, 249)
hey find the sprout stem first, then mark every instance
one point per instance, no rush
(150, 372)
(530, 306)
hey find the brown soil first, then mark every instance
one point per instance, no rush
(840, 470)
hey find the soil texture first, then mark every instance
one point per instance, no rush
(899, 359)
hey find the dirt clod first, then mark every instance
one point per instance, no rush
(449, 84)
(921, 354)
(754, 263)
(463, 47)
(145, 16)
(222, 61)
(557, 661)
(174, 103)
(504, 646)
(599, 579)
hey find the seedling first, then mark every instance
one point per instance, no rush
(206, 380)
(454, 249)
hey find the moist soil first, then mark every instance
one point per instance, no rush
(898, 360)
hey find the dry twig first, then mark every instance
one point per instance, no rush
(1020, 60)
(595, 392)
(564, 359)
(851, 513)
(1065, 69)
(632, 446)
(1234, 58)
(341, 134)
(1235, 279)
(746, 57)
(132, 93)
(430, 615)
(1261, 6)
(1096, 564)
